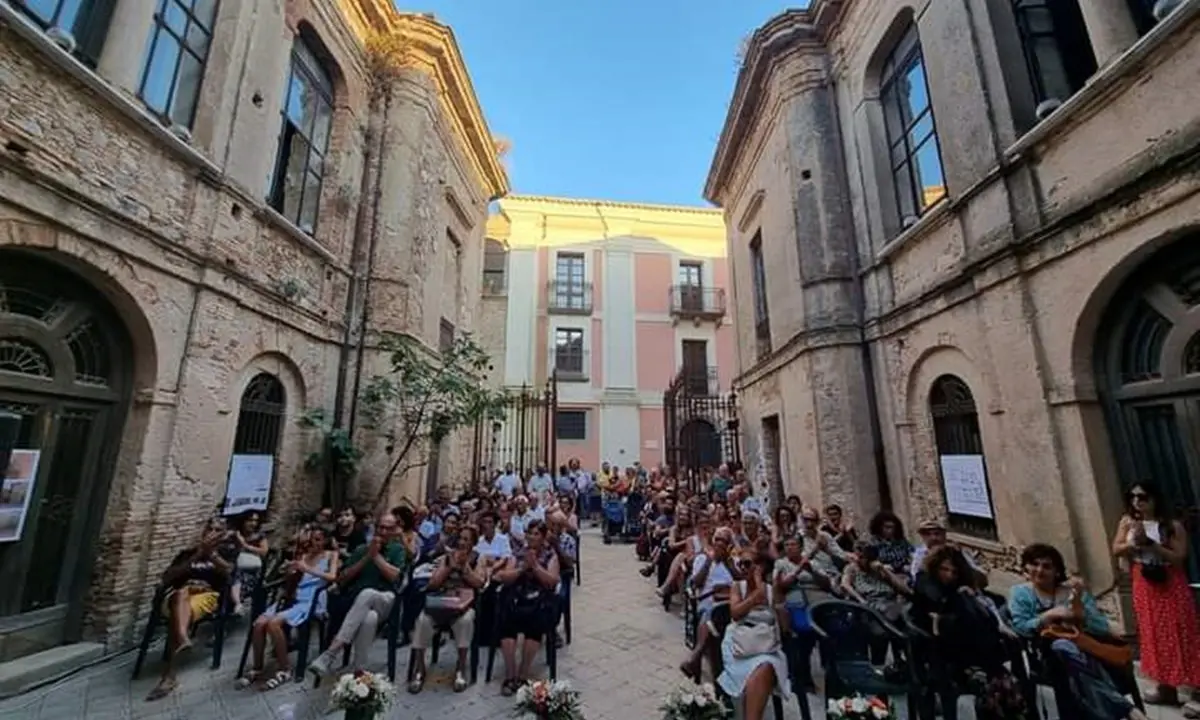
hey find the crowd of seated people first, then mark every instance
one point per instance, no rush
(743, 571)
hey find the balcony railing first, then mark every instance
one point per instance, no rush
(695, 302)
(571, 366)
(701, 381)
(569, 298)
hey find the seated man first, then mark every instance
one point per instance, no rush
(448, 604)
(370, 577)
(195, 579)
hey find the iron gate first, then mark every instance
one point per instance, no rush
(700, 425)
(523, 436)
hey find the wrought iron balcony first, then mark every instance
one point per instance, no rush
(570, 365)
(569, 298)
(696, 302)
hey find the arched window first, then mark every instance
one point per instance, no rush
(960, 458)
(495, 267)
(260, 417)
(914, 158)
(304, 138)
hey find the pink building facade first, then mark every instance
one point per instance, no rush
(615, 300)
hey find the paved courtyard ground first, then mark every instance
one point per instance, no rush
(623, 659)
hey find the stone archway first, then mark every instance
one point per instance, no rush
(66, 371)
(1147, 369)
(701, 441)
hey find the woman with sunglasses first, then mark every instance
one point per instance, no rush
(1155, 545)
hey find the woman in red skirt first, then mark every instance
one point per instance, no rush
(1156, 547)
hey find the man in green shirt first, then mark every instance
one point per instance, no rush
(370, 576)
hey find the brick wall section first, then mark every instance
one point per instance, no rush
(193, 262)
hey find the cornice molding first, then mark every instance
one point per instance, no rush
(429, 46)
(549, 205)
(787, 31)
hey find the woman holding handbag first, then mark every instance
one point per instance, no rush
(1060, 611)
(1156, 545)
(755, 666)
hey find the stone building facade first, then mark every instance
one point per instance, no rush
(963, 250)
(612, 300)
(205, 212)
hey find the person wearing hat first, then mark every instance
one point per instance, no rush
(933, 536)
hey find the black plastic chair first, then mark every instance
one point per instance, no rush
(339, 606)
(845, 632)
(299, 638)
(439, 634)
(1046, 670)
(218, 620)
(502, 601)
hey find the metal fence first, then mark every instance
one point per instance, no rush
(523, 436)
(700, 425)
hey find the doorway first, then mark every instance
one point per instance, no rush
(65, 362)
(1148, 373)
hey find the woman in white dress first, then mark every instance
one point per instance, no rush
(755, 666)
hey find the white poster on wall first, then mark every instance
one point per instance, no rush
(16, 491)
(965, 481)
(249, 485)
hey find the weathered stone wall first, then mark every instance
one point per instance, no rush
(212, 284)
(1002, 285)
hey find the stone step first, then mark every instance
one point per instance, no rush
(24, 673)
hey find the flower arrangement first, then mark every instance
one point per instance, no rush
(695, 702)
(545, 700)
(362, 694)
(858, 707)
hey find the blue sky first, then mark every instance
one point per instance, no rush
(606, 99)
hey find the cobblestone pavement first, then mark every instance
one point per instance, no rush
(623, 659)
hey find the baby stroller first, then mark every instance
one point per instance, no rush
(613, 517)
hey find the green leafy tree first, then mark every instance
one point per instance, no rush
(424, 397)
(338, 457)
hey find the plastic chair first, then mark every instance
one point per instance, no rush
(499, 617)
(845, 631)
(439, 633)
(299, 638)
(218, 620)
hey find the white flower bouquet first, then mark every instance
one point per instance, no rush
(545, 700)
(695, 702)
(858, 707)
(362, 694)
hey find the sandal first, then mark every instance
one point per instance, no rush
(162, 689)
(417, 683)
(278, 679)
(510, 687)
(1161, 695)
(248, 679)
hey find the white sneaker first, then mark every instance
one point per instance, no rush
(460, 682)
(322, 665)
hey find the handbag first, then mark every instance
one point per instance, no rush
(1108, 650)
(1154, 572)
(445, 609)
(249, 562)
(749, 640)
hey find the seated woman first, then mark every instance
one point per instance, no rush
(684, 543)
(1051, 600)
(530, 579)
(314, 566)
(870, 582)
(195, 579)
(448, 599)
(252, 548)
(887, 536)
(713, 574)
(754, 665)
(967, 638)
(783, 526)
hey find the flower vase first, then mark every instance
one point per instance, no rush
(359, 714)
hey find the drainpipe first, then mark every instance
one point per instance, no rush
(376, 196)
